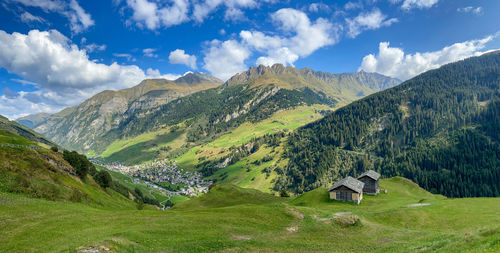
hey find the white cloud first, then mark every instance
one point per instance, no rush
(394, 62)
(353, 5)
(45, 5)
(153, 16)
(411, 4)
(95, 47)
(149, 52)
(27, 18)
(59, 69)
(129, 57)
(178, 56)
(317, 7)
(234, 14)
(79, 19)
(202, 9)
(367, 21)
(306, 37)
(155, 73)
(224, 59)
(470, 9)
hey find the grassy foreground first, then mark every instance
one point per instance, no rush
(232, 219)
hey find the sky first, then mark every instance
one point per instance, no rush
(57, 53)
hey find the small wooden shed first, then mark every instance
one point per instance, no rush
(370, 179)
(347, 189)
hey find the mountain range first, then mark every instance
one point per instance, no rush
(204, 104)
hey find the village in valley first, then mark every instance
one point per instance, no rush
(162, 175)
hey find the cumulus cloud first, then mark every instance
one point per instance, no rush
(79, 19)
(152, 15)
(306, 37)
(470, 9)
(179, 56)
(393, 62)
(59, 69)
(367, 21)
(224, 59)
(411, 4)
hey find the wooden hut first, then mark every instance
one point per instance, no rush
(370, 179)
(347, 189)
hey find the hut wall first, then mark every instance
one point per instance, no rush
(333, 195)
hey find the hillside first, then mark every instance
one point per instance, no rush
(234, 219)
(28, 168)
(9, 128)
(172, 129)
(78, 127)
(439, 129)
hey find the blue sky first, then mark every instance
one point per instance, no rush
(57, 53)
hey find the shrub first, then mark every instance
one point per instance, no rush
(284, 194)
(103, 178)
(55, 149)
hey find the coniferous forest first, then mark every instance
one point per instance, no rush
(440, 129)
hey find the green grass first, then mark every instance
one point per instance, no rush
(233, 219)
(245, 173)
(144, 147)
(9, 138)
(287, 119)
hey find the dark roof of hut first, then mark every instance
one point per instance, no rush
(349, 182)
(372, 174)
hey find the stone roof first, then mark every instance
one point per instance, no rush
(371, 173)
(349, 182)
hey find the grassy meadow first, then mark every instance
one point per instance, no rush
(233, 219)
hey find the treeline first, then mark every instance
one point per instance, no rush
(440, 129)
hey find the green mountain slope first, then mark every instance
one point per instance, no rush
(248, 98)
(439, 129)
(78, 127)
(42, 173)
(243, 220)
(29, 168)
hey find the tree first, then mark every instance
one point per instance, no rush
(79, 162)
(55, 149)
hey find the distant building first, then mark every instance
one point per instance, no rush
(370, 179)
(347, 189)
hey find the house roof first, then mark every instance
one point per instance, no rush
(371, 173)
(349, 182)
